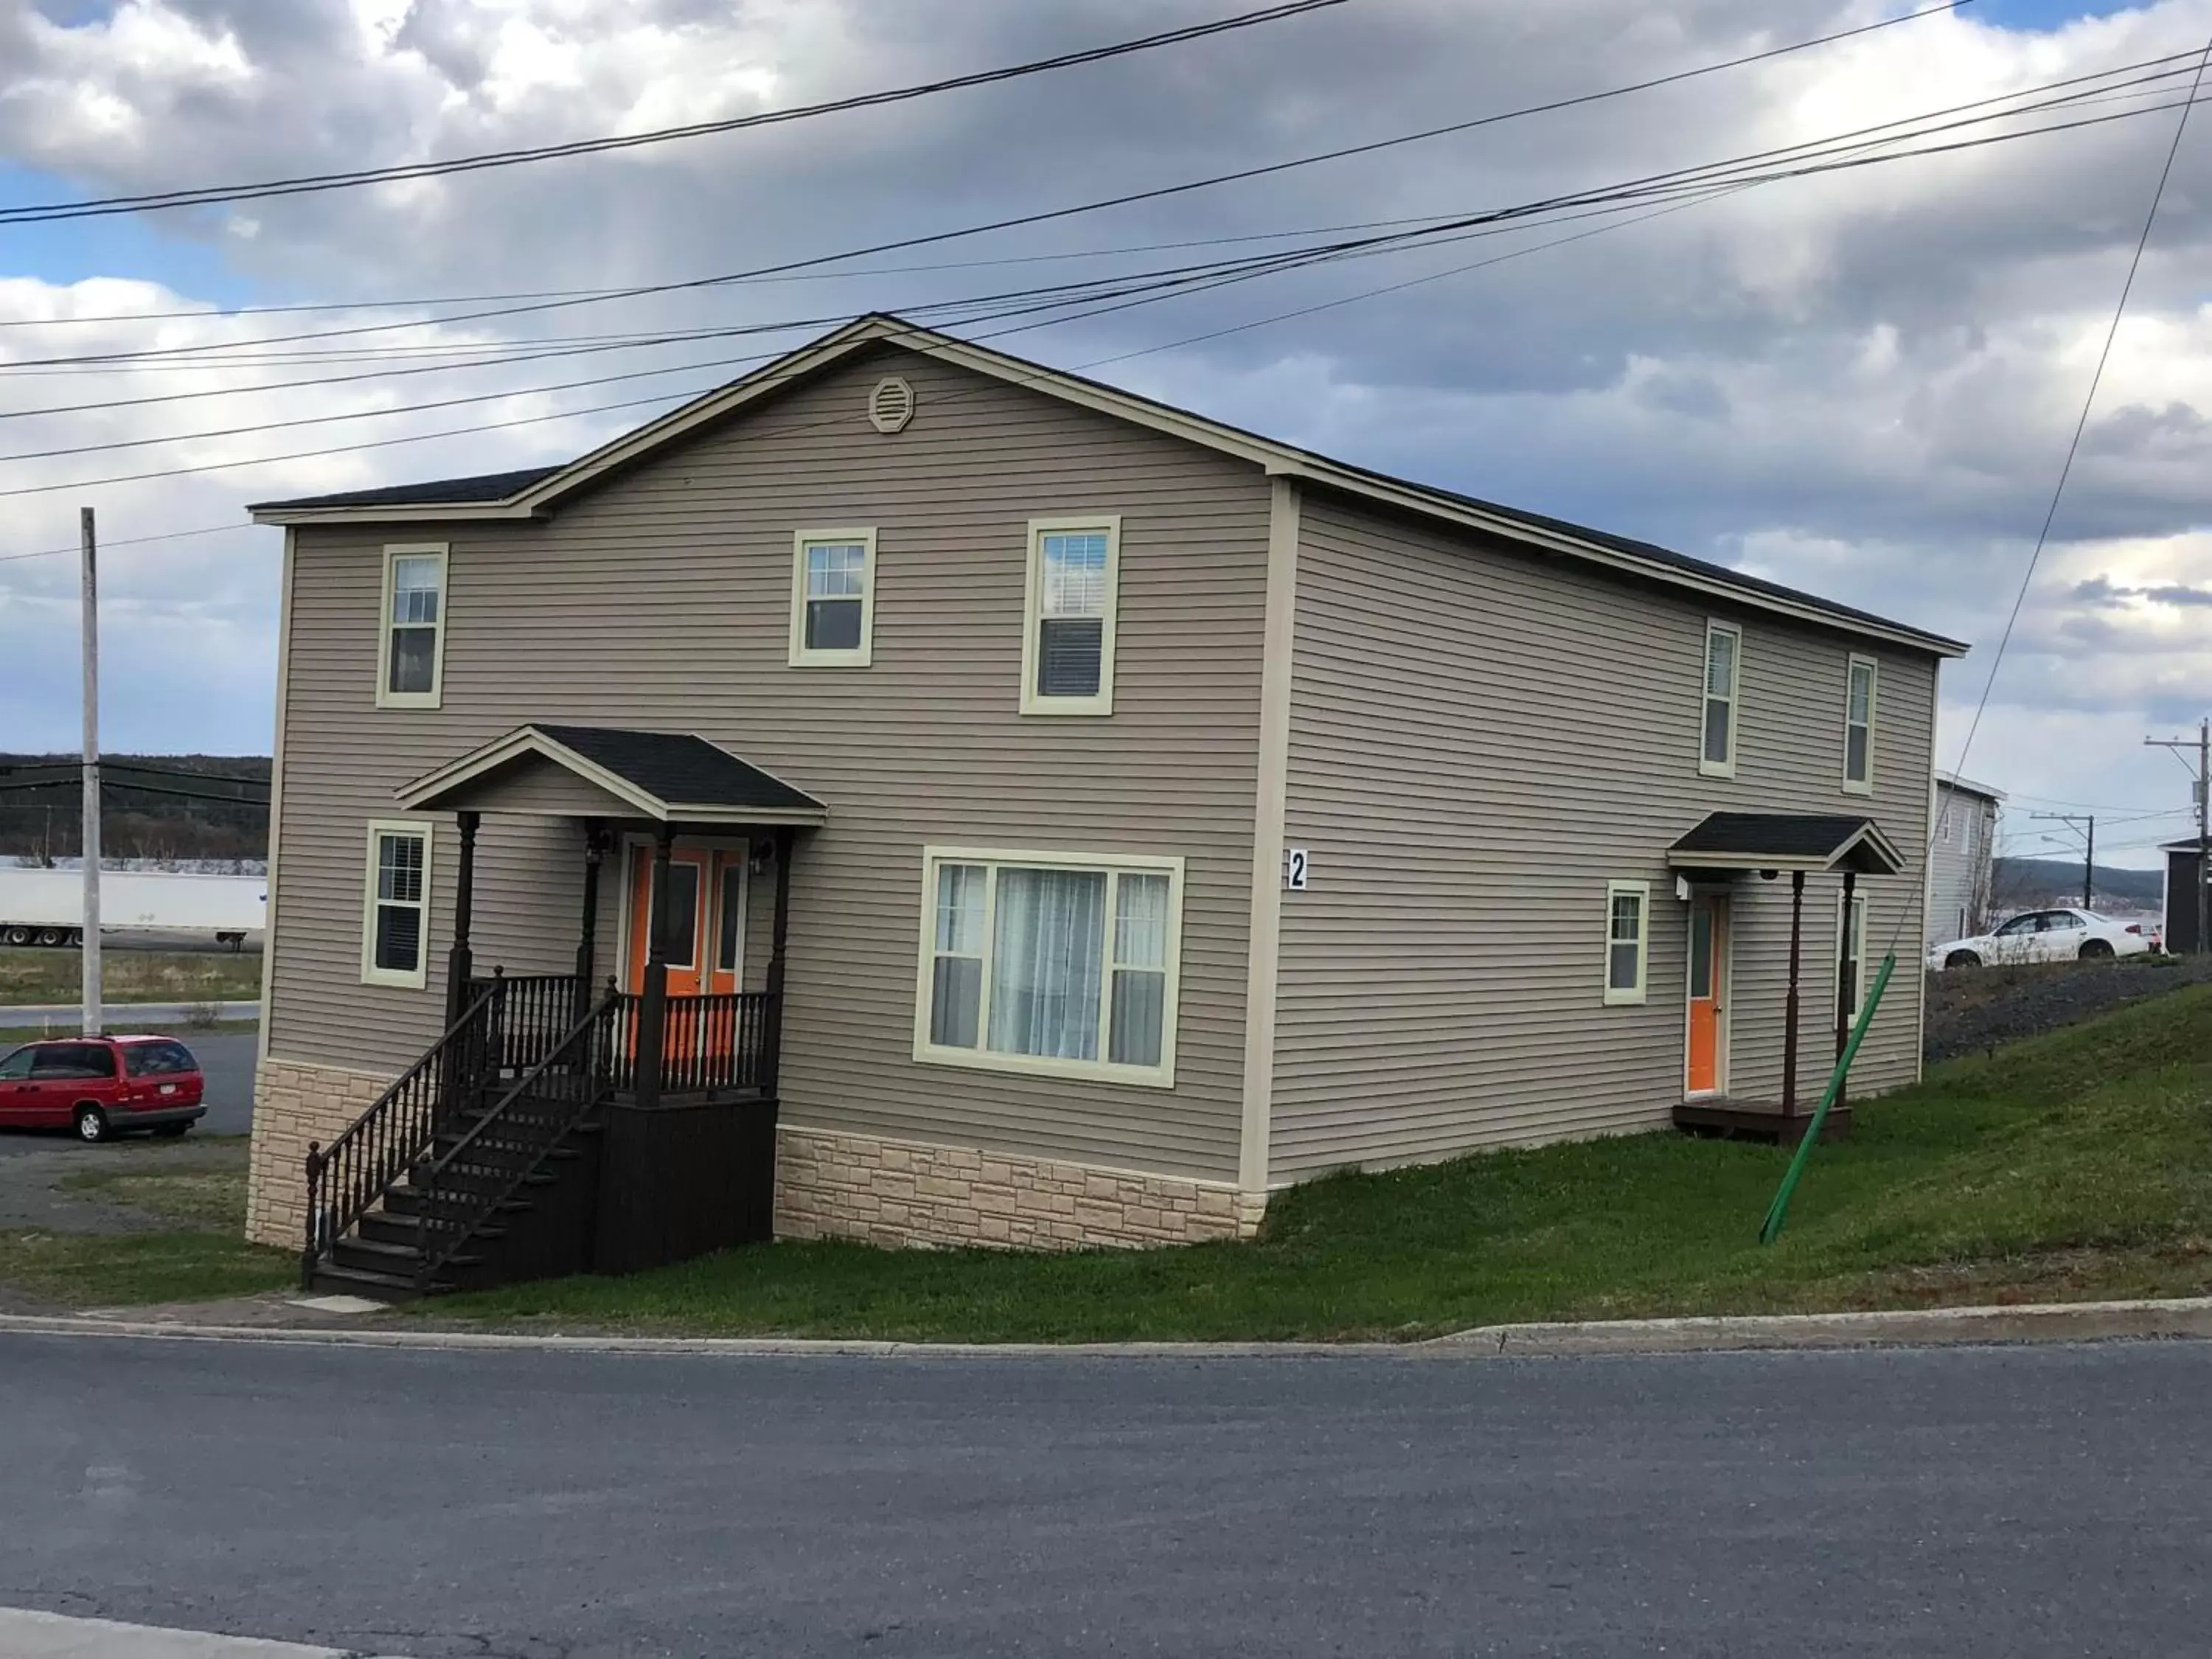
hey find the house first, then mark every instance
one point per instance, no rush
(1012, 810)
(2179, 905)
(1962, 860)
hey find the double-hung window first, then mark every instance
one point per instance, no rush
(395, 931)
(1051, 963)
(1068, 648)
(410, 666)
(1628, 939)
(1723, 684)
(1858, 725)
(832, 599)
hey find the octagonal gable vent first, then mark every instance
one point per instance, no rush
(890, 405)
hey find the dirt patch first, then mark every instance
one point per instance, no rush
(1972, 1010)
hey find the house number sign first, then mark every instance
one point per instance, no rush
(1295, 867)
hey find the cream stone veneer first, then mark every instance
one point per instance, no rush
(827, 1185)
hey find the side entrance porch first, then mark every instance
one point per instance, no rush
(607, 1120)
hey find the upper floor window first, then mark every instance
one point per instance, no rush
(1858, 725)
(410, 668)
(396, 906)
(1068, 648)
(832, 599)
(1040, 961)
(1724, 686)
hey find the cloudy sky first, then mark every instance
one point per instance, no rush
(1862, 383)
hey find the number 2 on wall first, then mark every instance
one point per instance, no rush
(1294, 869)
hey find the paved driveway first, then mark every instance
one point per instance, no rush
(1969, 1501)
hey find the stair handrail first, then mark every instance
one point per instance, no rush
(443, 1234)
(378, 1146)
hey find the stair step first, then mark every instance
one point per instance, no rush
(409, 1201)
(373, 1255)
(330, 1278)
(404, 1228)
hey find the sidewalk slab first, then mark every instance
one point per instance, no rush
(28, 1635)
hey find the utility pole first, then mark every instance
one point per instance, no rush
(2204, 748)
(2084, 825)
(92, 1017)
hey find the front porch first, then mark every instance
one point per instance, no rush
(615, 1117)
(1709, 862)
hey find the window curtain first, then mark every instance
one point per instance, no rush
(1048, 950)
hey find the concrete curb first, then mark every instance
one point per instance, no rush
(2077, 1322)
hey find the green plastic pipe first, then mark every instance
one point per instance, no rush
(1777, 1211)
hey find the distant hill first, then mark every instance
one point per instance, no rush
(2031, 884)
(143, 823)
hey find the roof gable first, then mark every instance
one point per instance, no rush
(538, 493)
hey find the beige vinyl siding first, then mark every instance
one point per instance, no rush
(535, 786)
(663, 600)
(1481, 739)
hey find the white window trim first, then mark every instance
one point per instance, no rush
(1640, 992)
(1713, 768)
(386, 697)
(981, 1059)
(860, 656)
(1032, 605)
(1836, 974)
(1873, 666)
(370, 973)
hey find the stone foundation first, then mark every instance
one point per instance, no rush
(827, 1185)
(897, 1193)
(293, 1104)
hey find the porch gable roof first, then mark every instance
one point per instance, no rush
(671, 776)
(1787, 840)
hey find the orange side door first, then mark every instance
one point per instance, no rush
(1704, 1071)
(688, 873)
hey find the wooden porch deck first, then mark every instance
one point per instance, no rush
(1757, 1120)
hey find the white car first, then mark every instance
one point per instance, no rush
(2046, 936)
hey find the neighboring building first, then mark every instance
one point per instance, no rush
(1081, 818)
(1961, 865)
(2185, 863)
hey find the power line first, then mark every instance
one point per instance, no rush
(2081, 426)
(206, 195)
(1155, 194)
(1688, 184)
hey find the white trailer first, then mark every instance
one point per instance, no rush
(46, 907)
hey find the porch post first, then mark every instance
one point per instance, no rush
(587, 939)
(459, 964)
(653, 995)
(1790, 1030)
(1843, 985)
(780, 931)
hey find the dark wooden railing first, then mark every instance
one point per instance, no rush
(530, 1015)
(346, 1178)
(465, 1185)
(713, 1042)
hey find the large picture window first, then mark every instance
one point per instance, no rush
(1054, 963)
(410, 669)
(396, 905)
(1067, 651)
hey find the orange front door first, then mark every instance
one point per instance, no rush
(1708, 915)
(689, 884)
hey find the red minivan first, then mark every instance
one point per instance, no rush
(102, 1087)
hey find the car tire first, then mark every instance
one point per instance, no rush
(91, 1125)
(170, 1130)
(2095, 949)
(16, 936)
(1962, 959)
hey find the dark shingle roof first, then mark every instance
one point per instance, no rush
(1751, 840)
(680, 769)
(443, 492)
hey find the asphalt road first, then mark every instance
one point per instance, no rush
(1962, 1502)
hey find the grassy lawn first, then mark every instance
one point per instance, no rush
(11, 1035)
(199, 1186)
(2075, 1165)
(30, 974)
